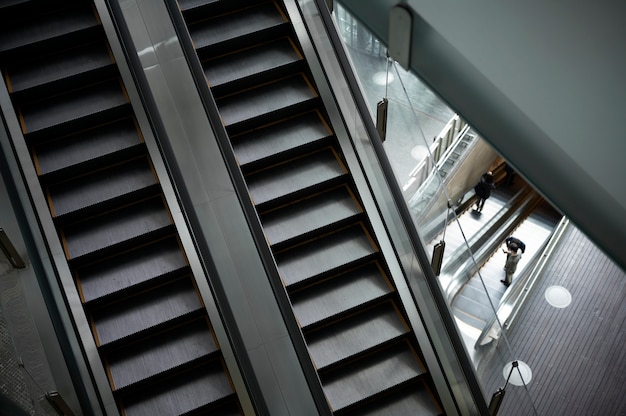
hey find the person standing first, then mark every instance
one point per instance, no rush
(483, 190)
(513, 257)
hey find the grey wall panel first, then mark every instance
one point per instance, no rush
(542, 82)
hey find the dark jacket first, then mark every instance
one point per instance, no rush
(484, 187)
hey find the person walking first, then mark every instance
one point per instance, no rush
(483, 190)
(513, 257)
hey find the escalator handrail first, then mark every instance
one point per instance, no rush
(515, 298)
(494, 228)
(488, 243)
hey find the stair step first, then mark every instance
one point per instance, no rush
(58, 65)
(266, 103)
(230, 26)
(77, 149)
(340, 294)
(308, 215)
(412, 399)
(18, 31)
(355, 335)
(301, 132)
(115, 227)
(194, 391)
(384, 371)
(72, 105)
(159, 354)
(110, 276)
(148, 310)
(100, 186)
(322, 255)
(299, 174)
(251, 62)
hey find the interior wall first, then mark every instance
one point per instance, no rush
(542, 83)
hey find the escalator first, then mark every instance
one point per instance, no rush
(472, 271)
(352, 319)
(140, 298)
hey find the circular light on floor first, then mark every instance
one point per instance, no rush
(381, 78)
(419, 152)
(558, 296)
(520, 375)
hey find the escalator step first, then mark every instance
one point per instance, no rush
(58, 65)
(309, 215)
(115, 227)
(413, 399)
(197, 390)
(276, 139)
(145, 311)
(293, 94)
(366, 378)
(340, 294)
(73, 105)
(100, 186)
(190, 4)
(246, 22)
(112, 275)
(88, 145)
(289, 178)
(153, 356)
(339, 341)
(251, 62)
(320, 256)
(19, 31)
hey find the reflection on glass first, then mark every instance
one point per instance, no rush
(437, 160)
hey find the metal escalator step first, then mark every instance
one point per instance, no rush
(102, 185)
(267, 99)
(234, 25)
(115, 274)
(58, 65)
(357, 334)
(310, 214)
(87, 145)
(340, 294)
(251, 62)
(299, 174)
(9, 3)
(322, 255)
(159, 354)
(190, 4)
(72, 105)
(19, 31)
(199, 389)
(365, 378)
(147, 310)
(279, 138)
(413, 399)
(115, 227)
